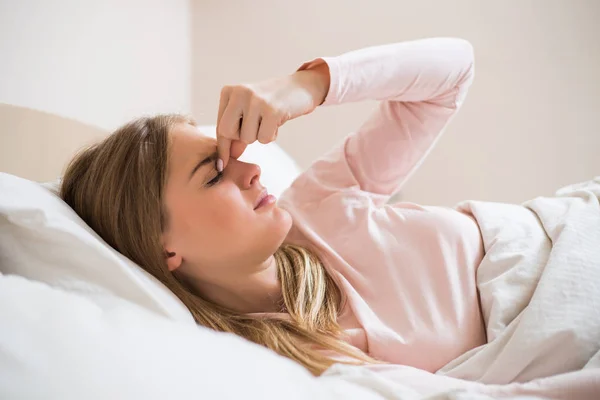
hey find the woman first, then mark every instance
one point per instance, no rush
(330, 272)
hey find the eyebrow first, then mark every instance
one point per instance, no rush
(210, 158)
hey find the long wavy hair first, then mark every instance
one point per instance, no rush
(117, 185)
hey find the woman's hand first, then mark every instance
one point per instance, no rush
(248, 113)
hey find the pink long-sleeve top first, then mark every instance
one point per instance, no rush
(407, 271)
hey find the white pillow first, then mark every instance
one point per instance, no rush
(43, 239)
(278, 169)
(59, 345)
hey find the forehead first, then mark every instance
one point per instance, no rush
(183, 134)
(188, 145)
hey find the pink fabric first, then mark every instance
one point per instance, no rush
(407, 271)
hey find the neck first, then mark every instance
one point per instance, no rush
(257, 292)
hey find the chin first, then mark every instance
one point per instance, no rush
(278, 227)
(283, 220)
(272, 235)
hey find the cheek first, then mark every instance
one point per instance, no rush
(214, 215)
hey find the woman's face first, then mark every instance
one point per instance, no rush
(214, 231)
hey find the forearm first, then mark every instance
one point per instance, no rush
(421, 70)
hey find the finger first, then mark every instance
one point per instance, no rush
(250, 122)
(268, 130)
(224, 150)
(237, 148)
(229, 124)
(223, 144)
(223, 100)
(228, 130)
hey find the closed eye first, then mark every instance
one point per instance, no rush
(215, 180)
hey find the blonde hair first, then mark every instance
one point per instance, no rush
(117, 185)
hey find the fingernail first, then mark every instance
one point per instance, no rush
(219, 165)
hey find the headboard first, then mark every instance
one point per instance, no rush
(37, 145)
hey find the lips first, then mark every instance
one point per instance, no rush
(260, 198)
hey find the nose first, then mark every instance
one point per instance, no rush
(245, 174)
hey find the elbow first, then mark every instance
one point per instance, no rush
(467, 73)
(464, 51)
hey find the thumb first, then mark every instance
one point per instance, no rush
(224, 149)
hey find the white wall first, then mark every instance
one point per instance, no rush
(530, 124)
(100, 62)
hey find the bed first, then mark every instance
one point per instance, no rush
(79, 320)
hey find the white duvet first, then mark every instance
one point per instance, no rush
(540, 294)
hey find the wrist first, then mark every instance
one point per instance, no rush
(316, 80)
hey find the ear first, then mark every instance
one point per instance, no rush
(174, 260)
(172, 255)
